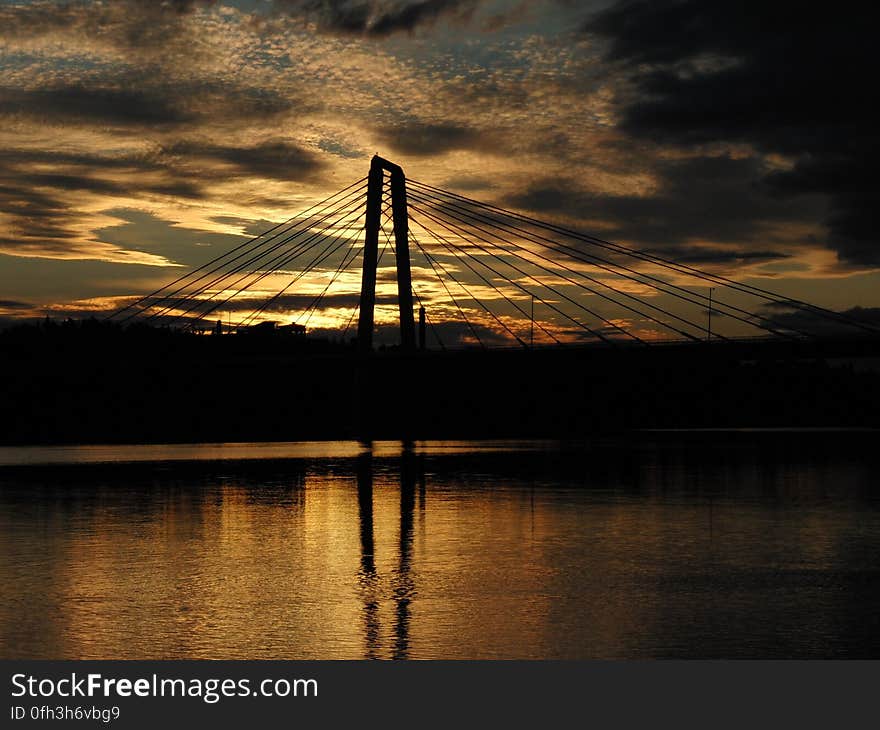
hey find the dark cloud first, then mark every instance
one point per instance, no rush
(142, 100)
(11, 304)
(285, 304)
(788, 77)
(33, 218)
(468, 183)
(420, 139)
(84, 102)
(686, 255)
(137, 230)
(28, 173)
(786, 317)
(58, 158)
(697, 199)
(133, 25)
(151, 25)
(248, 226)
(407, 16)
(378, 18)
(501, 19)
(178, 6)
(279, 160)
(341, 149)
(39, 188)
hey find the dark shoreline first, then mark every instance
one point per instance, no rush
(118, 387)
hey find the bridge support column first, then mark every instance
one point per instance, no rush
(372, 226)
(371, 253)
(401, 249)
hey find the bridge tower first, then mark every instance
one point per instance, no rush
(378, 168)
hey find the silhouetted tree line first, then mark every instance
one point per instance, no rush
(92, 381)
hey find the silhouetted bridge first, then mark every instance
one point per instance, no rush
(482, 323)
(483, 277)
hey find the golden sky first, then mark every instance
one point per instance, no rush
(139, 137)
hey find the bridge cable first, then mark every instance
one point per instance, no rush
(488, 282)
(275, 263)
(253, 261)
(412, 236)
(228, 253)
(344, 263)
(612, 267)
(585, 287)
(431, 259)
(461, 230)
(428, 258)
(412, 287)
(317, 260)
(664, 262)
(301, 248)
(650, 258)
(336, 243)
(351, 319)
(358, 305)
(464, 257)
(464, 252)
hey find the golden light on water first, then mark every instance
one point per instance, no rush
(314, 559)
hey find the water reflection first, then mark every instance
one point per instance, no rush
(615, 550)
(367, 578)
(404, 588)
(403, 585)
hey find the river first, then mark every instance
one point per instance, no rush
(749, 544)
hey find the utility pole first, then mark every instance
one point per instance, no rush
(422, 316)
(532, 326)
(709, 331)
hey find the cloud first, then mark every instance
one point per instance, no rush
(45, 197)
(6, 304)
(380, 18)
(420, 139)
(126, 24)
(78, 102)
(134, 230)
(202, 120)
(288, 303)
(786, 78)
(151, 27)
(136, 99)
(694, 200)
(277, 159)
(804, 320)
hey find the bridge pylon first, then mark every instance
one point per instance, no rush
(366, 318)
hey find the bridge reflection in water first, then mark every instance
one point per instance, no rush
(712, 545)
(411, 472)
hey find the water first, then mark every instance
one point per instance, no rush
(749, 545)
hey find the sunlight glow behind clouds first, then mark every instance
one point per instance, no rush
(197, 113)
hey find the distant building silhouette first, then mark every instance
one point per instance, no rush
(272, 328)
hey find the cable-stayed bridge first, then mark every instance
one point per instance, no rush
(407, 311)
(473, 275)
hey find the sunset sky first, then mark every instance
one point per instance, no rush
(138, 137)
